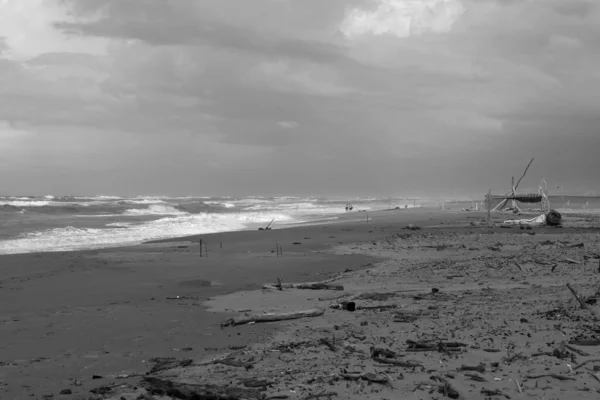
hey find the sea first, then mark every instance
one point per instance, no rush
(68, 223)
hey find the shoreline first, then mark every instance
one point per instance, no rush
(69, 315)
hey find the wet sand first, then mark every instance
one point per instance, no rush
(65, 317)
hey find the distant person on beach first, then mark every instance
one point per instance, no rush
(350, 207)
(347, 207)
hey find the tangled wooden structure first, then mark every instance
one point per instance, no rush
(515, 197)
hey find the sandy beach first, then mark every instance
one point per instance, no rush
(456, 306)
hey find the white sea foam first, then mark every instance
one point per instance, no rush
(71, 238)
(119, 224)
(219, 203)
(298, 208)
(155, 209)
(144, 201)
(101, 197)
(25, 203)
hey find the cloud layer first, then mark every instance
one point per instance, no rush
(296, 97)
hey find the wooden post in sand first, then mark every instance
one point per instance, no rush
(200, 247)
(489, 206)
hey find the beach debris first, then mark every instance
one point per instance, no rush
(412, 227)
(272, 317)
(345, 305)
(477, 368)
(586, 362)
(268, 227)
(366, 376)
(440, 346)
(322, 285)
(66, 392)
(318, 396)
(231, 361)
(378, 352)
(577, 297)
(329, 343)
(308, 285)
(256, 382)
(590, 342)
(399, 363)
(187, 391)
(446, 388)
(494, 392)
(165, 363)
(555, 376)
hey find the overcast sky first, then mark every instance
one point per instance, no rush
(292, 97)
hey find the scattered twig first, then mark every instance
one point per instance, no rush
(319, 395)
(490, 350)
(398, 363)
(367, 376)
(186, 391)
(576, 350)
(586, 362)
(478, 368)
(495, 392)
(594, 376)
(476, 377)
(555, 376)
(591, 342)
(581, 303)
(328, 343)
(165, 363)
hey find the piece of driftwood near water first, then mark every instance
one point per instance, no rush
(308, 285)
(322, 285)
(186, 391)
(272, 317)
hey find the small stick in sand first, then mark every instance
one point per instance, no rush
(585, 362)
(518, 265)
(581, 303)
(576, 350)
(519, 386)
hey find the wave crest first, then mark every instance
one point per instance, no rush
(155, 209)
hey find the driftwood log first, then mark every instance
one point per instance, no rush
(309, 285)
(186, 391)
(322, 285)
(272, 317)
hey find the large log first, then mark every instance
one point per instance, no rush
(322, 285)
(308, 285)
(272, 317)
(186, 391)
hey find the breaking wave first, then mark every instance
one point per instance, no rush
(25, 203)
(154, 209)
(122, 233)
